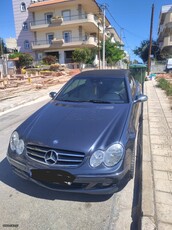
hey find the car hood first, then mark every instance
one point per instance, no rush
(77, 126)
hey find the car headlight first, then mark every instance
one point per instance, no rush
(113, 155)
(16, 144)
(110, 157)
(97, 158)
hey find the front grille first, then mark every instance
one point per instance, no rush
(65, 158)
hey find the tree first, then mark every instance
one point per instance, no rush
(143, 50)
(3, 48)
(24, 59)
(92, 53)
(81, 55)
(113, 52)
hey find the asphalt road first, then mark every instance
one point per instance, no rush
(25, 205)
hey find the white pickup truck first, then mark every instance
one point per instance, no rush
(169, 65)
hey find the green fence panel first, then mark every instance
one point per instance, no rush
(138, 71)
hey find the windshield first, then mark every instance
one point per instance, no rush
(95, 90)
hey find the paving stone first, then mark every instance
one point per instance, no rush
(168, 114)
(170, 176)
(160, 174)
(164, 226)
(164, 213)
(160, 131)
(162, 163)
(157, 119)
(148, 223)
(163, 185)
(154, 124)
(161, 147)
(164, 198)
(169, 119)
(157, 139)
(170, 124)
(162, 152)
(154, 113)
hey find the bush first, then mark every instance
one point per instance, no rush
(169, 91)
(48, 60)
(165, 85)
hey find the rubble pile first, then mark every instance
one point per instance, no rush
(164, 75)
(12, 86)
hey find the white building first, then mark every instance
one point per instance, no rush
(165, 30)
(58, 27)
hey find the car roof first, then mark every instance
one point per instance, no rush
(115, 73)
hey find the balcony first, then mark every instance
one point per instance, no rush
(56, 43)
(167, 44)
(168, 26)
(88, 21)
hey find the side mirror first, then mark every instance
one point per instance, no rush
(52, 94)
(141, 98)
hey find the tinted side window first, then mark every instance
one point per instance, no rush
(132, 85)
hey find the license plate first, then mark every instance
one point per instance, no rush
(52, 176)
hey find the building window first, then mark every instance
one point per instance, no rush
(23, 7)
(66, 14)
(25, 26)
(50, 37)
(48, 17)
(67, 36)
(26, 44)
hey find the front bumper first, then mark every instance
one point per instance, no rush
(89, 184)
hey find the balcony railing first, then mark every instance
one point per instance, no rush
(35, 1)
(68, 19)
(65, 41)
(65, 19)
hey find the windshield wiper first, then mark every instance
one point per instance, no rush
(65, 100)
(99, 102)
(92, 101)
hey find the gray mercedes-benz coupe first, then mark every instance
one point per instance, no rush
(84, 140)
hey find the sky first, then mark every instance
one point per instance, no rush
(130, 18)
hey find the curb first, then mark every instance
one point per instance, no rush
(148, 200)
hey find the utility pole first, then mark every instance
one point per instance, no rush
(99, 42)
(104, 27)
(150, 40)
(1, 47)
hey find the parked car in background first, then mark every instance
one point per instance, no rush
(169, 65)
(84, 140)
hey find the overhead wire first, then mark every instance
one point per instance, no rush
(122, 29)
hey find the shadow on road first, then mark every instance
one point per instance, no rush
(31, 189)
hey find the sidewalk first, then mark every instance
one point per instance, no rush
(157, 160)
